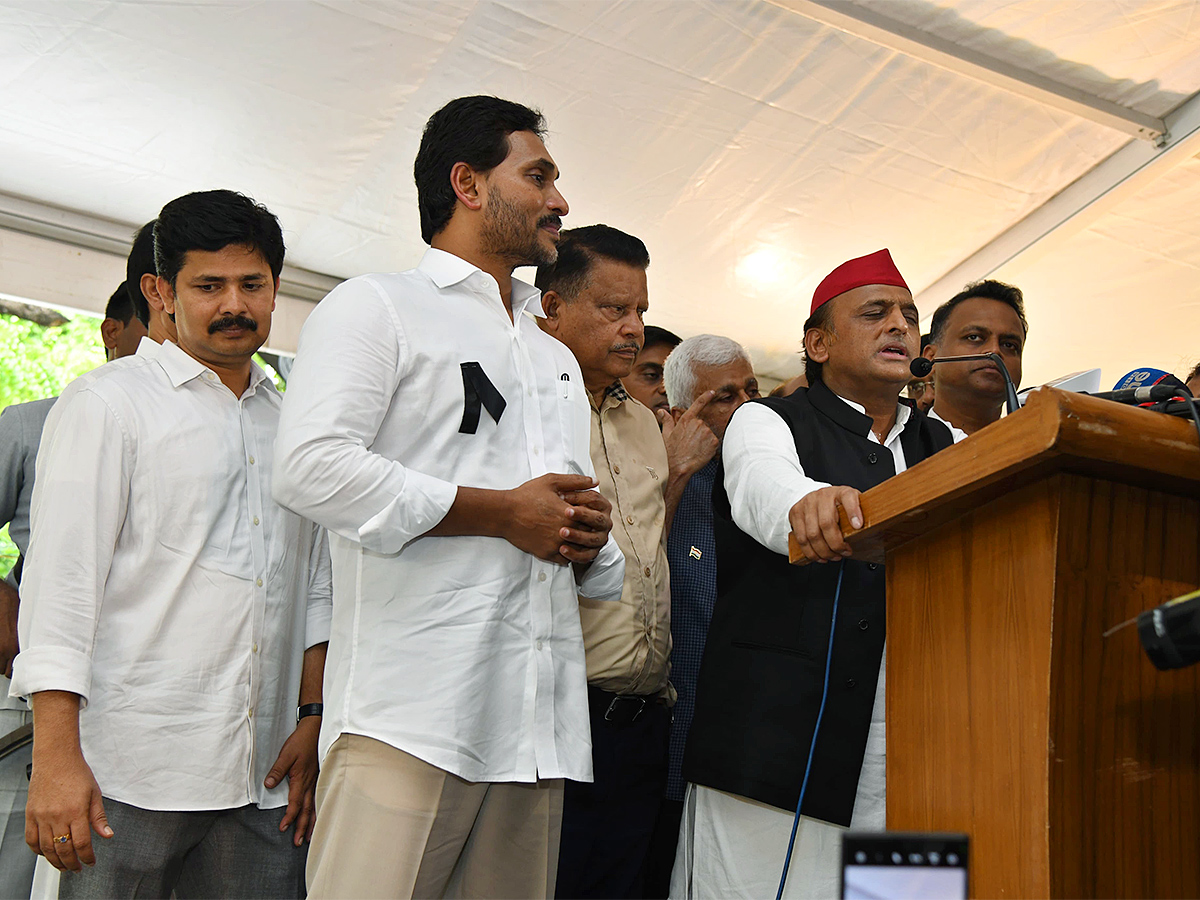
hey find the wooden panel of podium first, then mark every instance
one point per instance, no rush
(1072, 763)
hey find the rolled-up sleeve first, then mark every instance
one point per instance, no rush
(79, 503)
(349, 362)
(763, 475)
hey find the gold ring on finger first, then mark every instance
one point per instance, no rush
(61, 838)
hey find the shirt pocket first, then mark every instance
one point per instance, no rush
(575, 424)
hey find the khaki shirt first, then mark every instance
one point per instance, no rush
(628, 642)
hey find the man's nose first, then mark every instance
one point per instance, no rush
(557, 203)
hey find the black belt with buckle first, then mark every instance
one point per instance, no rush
(621, 709)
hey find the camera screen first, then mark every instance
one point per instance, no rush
(895, 866)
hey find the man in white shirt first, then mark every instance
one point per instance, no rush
(985, 317)
(789, 700)
(125, 322)
(430, 426)
(172, 615)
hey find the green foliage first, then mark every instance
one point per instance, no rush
(37, 362)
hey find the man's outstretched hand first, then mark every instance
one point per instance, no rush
(814, 520)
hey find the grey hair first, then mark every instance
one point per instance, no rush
(679, 371)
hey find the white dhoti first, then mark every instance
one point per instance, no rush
(734, 847)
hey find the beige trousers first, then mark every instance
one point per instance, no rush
(391, 825)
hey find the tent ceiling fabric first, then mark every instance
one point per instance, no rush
(750, 147)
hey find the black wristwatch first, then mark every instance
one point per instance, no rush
(309, 709)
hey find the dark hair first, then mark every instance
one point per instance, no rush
(471, 130)
(140, 262)
(120, 306)
(925, 341)
(211, 221)
(1192, 374)
(656, 336)
(821, 318)
(578, 249)
(991, 290)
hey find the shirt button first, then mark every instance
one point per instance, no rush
(259, 582)
(863, 625)
(629, 519)
(252, 460)
(872, 459)
(541, 576)
(250, 713)
(851, 683)
(647, 571)
(616, 470)
(539, 645)
(872, 566)
(255, 648)
(256, 520)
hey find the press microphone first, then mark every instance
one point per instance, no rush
(921, 366)
(1146, 386)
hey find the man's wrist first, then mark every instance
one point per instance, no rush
(308, 710)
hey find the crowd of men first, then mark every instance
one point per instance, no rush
(495, 599)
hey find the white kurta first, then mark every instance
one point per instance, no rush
(731, 846)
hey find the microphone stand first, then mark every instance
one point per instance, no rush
(920, 367)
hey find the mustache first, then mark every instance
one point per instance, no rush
(628, 345)
(550, 220)
(229, 322)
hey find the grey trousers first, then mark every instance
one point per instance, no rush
(16, 859)
(218, 853)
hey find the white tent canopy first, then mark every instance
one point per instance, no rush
(753, 145)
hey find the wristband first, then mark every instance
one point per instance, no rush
(309, 709)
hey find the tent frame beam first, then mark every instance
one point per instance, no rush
(78, 229)
(870, 25)
(1079, 204)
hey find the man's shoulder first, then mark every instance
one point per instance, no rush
(116, 381)
(637, 421)
(24, 414)
(396, 287)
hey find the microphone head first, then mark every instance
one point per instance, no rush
(920, 367)
(1143, 377)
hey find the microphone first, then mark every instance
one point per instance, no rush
(1146, 386)
(920, 367)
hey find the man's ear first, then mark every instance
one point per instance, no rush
(166, 294)
(469, 187)
(930, 351)
(552, 304)
(149, 286)
(816, 345)
(110, 333)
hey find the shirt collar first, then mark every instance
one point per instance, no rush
(182, 368)
(902, 414)
(446, 269)
(615, 393)
(147, 348)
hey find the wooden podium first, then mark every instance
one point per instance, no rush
(1072, 763)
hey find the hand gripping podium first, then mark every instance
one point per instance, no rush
(1072, 763)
